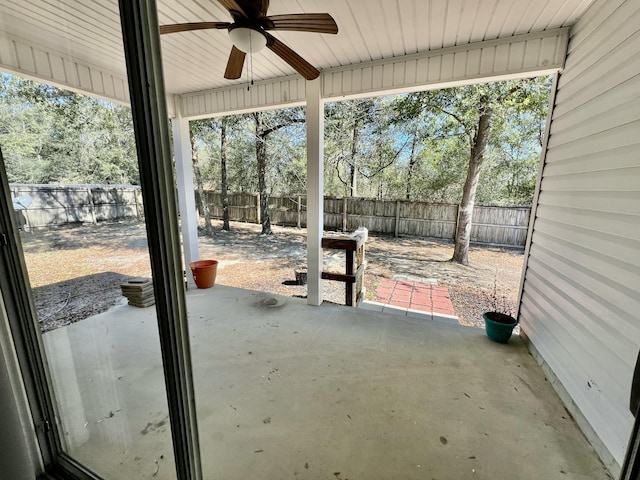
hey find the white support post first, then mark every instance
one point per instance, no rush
(186, 197)
(315, 190)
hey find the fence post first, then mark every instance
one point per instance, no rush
(299, 209)
(92, 207)
(259, 220)
(135, 198)
(397, 229)
(65, 208)
(344, 214)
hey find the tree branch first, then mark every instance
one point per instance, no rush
(338, 173)
(509, 92)
(270, 130)
(381, 168)
(459, 120)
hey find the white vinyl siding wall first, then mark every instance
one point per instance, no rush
(580, 303)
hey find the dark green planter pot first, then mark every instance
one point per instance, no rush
(499, 326)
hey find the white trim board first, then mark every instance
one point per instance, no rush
(519, 56)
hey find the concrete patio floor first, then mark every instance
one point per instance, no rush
(288, 391)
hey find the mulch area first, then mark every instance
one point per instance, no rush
(72, 300)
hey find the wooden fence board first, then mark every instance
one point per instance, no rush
(515, 216)
(60, 204)
(492, 225)
(63, 204)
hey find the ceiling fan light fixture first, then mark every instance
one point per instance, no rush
(247, 39)
(249, 33)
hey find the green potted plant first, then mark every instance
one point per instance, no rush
(498, 323)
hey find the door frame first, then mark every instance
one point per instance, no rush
(146, 86)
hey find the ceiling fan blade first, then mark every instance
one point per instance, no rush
(302, 22)
(301, 66)
(235, 64)
(233, 6)
(185, 27)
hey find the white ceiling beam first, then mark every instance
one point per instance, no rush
(35, 62)
(518, 56)
(263, 95)
(504, 58)
(29, 60)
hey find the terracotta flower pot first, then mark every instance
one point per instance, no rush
(204, 272)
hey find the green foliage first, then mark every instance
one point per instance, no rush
(413, 146)
(363, 145)
(286, 155)
(450, 119)
(50, 135)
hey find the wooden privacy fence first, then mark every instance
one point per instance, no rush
(506, 226)
(245, 207)
(67, 204)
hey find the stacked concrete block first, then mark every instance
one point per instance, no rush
(139, 292)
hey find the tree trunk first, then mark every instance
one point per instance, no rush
(412, 163)
(223, 173)
(261, 158)
(463, 233)
(353, 179)
(203, 207)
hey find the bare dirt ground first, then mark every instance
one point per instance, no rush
(76, 272)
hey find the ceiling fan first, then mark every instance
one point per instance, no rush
(249, 33)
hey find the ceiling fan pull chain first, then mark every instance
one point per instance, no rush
(251, 58)
(249, 74)
(250, 66)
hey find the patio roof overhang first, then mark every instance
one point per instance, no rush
(386, 47)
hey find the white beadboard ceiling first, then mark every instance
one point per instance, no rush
(89, 30)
